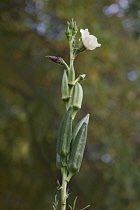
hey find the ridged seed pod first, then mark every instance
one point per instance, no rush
(77, 150)
(78, 126)
(78, 96)
(71, 76)
(65, 87)
(64, 134)
(77, 99)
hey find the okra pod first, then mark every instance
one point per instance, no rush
(64, 134)
(77, 99)
(78, 96)
(65, 87)
(71, 76)
(78, 126)
(77, 150)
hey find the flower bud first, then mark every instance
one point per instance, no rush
(75, 29)
(68, 23)
(71, 29)
(68, 33)
(57, 60)
(80, 78)
(65, 87)
(71, 24)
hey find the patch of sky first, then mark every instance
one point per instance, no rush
(106, 158)
(117, 8)
(111, 10)
(132, 76)
(45, 24)
(123, 3)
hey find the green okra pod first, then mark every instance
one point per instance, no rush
(71, 76)
(77, 98)
(65, 87)
(78, 126)
(77, 151)
(64, 134)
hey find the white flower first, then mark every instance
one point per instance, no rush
(89, 41)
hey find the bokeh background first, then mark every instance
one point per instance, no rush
(31, 108)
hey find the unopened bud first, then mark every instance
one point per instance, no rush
(68, 33)
(57, 60)
(71, 24)
(80, 78)
(71, 29)
(75, 29)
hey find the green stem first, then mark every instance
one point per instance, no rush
(71, 75)
(64, 188)
(69, 103)
(67, 67)
(71, 53)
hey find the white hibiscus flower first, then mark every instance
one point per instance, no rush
(89, 41)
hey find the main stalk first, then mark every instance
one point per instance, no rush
(64, 188)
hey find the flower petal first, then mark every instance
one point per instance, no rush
(89, 41)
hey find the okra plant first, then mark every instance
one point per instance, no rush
(71, 141)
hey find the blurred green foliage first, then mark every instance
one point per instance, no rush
(31, 107)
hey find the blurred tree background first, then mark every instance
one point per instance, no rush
(31, 108)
